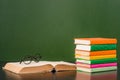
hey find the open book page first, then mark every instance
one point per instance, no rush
(32, 64)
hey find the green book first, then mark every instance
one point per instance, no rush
(100, 61)
(97, 47)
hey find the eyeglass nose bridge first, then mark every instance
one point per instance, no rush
(28, 59)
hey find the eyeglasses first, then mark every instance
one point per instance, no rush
(29, 58)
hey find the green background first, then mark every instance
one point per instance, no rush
(49, 27)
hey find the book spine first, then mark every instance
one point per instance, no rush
(105, 41)
(100, 47)
(100, 61)
(104, 69)
(89, 41)
(105, 52)
(96, 65)
(102, 57)
(103, 65)
(94, 53)
(96, 57)
(96, 69)
(103, 47)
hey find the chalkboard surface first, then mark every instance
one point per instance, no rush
(49, 27)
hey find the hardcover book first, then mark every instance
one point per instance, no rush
(95, 57)
(96, 65)
(95, 41)
(96, 47)
(94, 53)
(97, 69)
(99, 61)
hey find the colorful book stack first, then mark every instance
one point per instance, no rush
(95, 54)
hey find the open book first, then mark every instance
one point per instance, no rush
(42, 66)
(64, 75)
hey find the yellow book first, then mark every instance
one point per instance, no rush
(95, 57)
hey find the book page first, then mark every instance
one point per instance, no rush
(32, 64)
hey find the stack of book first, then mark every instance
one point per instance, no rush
(95, 54)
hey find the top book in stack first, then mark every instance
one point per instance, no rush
(90, 41)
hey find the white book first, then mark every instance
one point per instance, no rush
(97, 69)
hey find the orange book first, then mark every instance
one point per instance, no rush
(95, 53)
(95, 41)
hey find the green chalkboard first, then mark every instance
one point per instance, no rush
(49, 27)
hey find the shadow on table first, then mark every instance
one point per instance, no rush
(65, 75)
(110, 75)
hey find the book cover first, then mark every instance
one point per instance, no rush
(96, 65)
(99, 61)
(96, 69)
(95, 40)
(96, 47)
(96, 57)
(94, 53)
